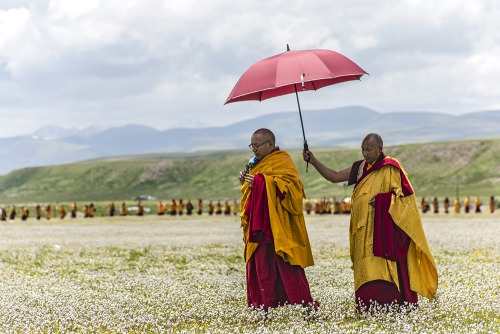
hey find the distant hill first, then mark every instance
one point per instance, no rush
(436, 169)
(342, 127)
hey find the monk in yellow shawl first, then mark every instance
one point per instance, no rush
(446, 205)
(140, 209)
(162, 208)
(38, 211)
(210, 208)
(308, 206)
(456, 205)
(391, 259)
(477, 205)
(62, 212)
(235, 207)
(277, 246)
(73, 210)
(467, 204)
(180, 207)
(173, 207)
(199, 206)
(24, 213)
(123, 209)
(48, 212)
(12, 214)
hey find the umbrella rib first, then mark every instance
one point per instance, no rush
(312, 82)
(318, 79)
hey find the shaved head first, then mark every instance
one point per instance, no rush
(266, 134)
(376, 138)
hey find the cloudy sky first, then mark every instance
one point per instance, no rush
(172, 63)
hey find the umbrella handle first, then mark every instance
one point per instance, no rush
(306, 148)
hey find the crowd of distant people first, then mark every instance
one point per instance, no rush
(326, 206)
(213, 207)
(175, 207)
(179, 207)
(172, 208)
(457, 205)
(343, 205)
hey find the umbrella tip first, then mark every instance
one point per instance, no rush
(287, 48)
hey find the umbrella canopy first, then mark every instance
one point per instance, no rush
(293, 71)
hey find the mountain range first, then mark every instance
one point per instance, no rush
(341, 127)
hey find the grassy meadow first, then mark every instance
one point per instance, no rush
(463, 168)
(156, 274)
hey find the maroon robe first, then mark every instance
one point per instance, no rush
(270, 280)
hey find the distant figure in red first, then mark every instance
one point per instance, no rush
(38, 212)
(73, 210)
(189, 208)
(424, 205)
(48, 212)
(112, 209)
(173, 207)
(435, 205)
(200, 206)
(140, 209)
(227, 208)
(446, 205)
(180, 207)
(12, 215)
(210, 208)
(24, 213)
(218, 208)
(91, 210)
(477, 205)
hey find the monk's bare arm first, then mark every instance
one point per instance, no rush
(328, 173)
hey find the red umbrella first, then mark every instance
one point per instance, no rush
(293, 71)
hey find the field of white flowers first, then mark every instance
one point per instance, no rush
(186, 274)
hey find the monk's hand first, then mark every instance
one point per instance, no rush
(372, 201)
(249, 178)
(307, 156)
(242, 176)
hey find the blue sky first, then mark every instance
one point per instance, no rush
(172, 63)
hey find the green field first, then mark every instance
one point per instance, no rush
(463, 168)
(186, 274)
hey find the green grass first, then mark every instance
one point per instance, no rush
(435, 169)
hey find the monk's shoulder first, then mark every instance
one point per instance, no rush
(388, 160)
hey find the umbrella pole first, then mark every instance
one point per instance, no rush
(306, 147)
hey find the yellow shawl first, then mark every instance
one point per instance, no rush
(286, 216)
(404, 212)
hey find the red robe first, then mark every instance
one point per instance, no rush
(270, 280)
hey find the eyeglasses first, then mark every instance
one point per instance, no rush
(256, 146)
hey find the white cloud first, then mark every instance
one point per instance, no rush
(162, 63)
(71, 10)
